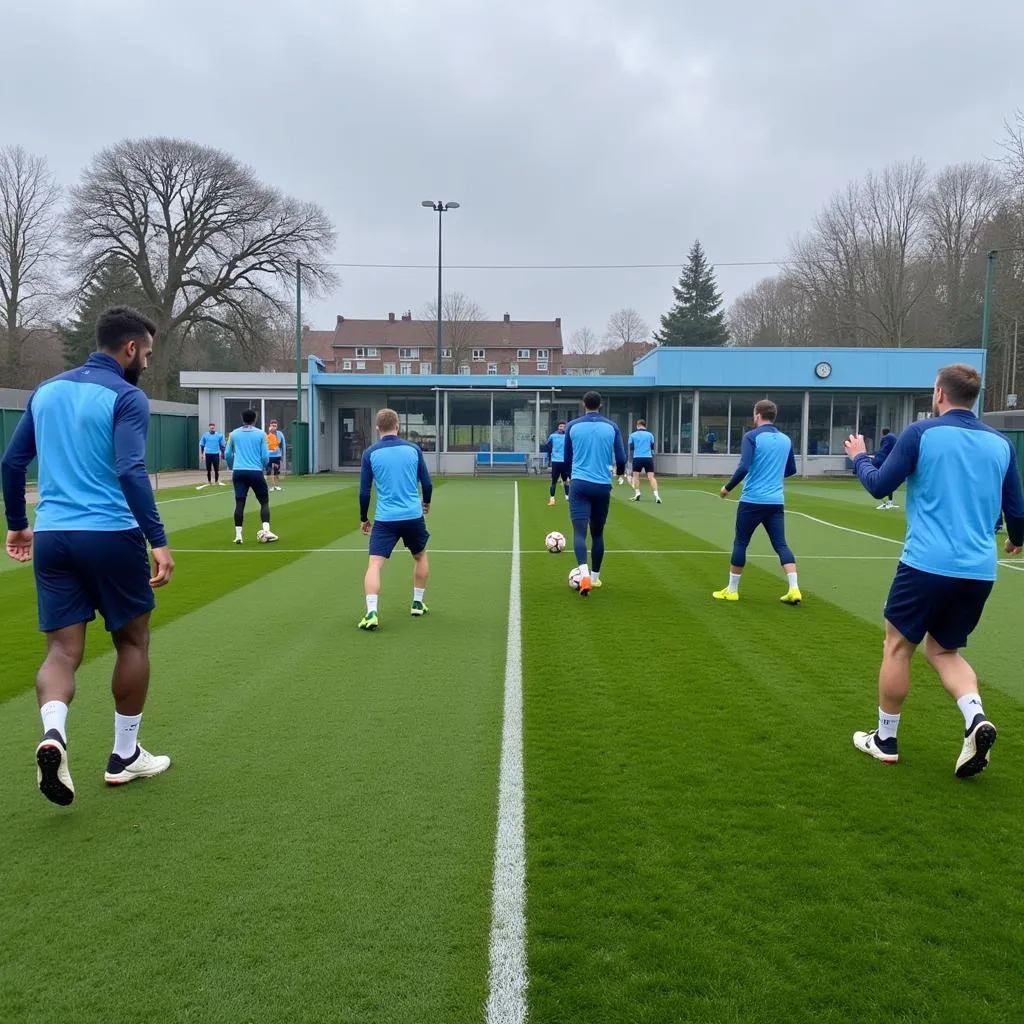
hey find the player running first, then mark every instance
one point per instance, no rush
(275, 449)
(766, 459)
(211, 448)
(95, 514)
(641, 444)
(555, 447)
(591, 442)
(247, 455)
(398, 470)
(885, 447)
(960, 473)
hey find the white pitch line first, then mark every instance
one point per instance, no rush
(506, 1002)
(262, 549)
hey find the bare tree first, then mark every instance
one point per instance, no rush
(627, 338)
(585, 346)
(460, 328)
(203, 234)
(863, 266)
(962, 202)
(775, 312)
(29, 255)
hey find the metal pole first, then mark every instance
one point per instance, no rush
(437, 350)
(1013, 376)
(986, 320)
(298, 354)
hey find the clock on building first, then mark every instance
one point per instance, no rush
(823, 370)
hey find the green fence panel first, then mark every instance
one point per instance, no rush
(1017, 440)
(300, 447)
(172, 443)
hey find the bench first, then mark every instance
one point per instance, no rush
(501, 462)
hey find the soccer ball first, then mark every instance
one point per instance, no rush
(554, 542)
(574, 578)
(261, 536)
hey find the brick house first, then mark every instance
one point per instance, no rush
(406, 346)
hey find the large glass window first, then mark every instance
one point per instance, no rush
(791, 415)
(922, 406)
(416, 419)
(282, 410)
(867, 421)
(844, 421)
(515, 423)
(469, 422)
(819, 424)
(742, 418)
(675, 437)
(714, 422)
(234, 407)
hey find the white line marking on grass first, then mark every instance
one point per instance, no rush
(506, 1003)
(1008, 565)
(253, 550)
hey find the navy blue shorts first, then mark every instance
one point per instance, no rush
(589, 502)
(81, 572)
(385, 535)
(749, 516)
(274, 466)
(643, 465)
(244, 480)
(558, 472)
(946, 607)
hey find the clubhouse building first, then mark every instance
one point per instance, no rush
(697, 401)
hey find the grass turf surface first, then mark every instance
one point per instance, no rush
(703, 842)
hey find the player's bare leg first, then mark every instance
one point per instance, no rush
(893, 687)
(420, 575)
(371, 590)
(961, 683)
(55, 689)
(653, 481)
(130, 685)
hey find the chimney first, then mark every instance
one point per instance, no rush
(391, 317)
(506, 318)
(341, 320)
(407, 315)
(558, 321)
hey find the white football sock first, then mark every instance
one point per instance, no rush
(637, 490)
(734, 582)
(584, 570)
(791, 576)
(656, 493)
(371, 602)
(238, 533)
(887, 725)
(970, 705)
(55, 716)
(595, 575)
(126, 734)
(418, 592)
(266, 528)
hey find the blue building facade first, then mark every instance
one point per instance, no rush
(697, 401)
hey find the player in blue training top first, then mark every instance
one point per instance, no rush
(591, 442)
(959, 473)
(885, 447)
(398, 470)
(641, 444)
(766, 459)
(248, 456)
(555, 447)
(95, 514)
(211, 448)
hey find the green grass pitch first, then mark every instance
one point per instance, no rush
(703, 843)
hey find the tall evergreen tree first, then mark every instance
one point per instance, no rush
(115, 285)
(698, 316)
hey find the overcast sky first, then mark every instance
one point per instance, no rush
(571, 131)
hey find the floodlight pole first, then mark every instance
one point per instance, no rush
(298, 347)
(986, 322)
(440, 209)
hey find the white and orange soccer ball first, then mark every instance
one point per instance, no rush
(574, 577)
(554, 542)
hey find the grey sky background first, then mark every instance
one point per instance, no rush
(608, 131)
